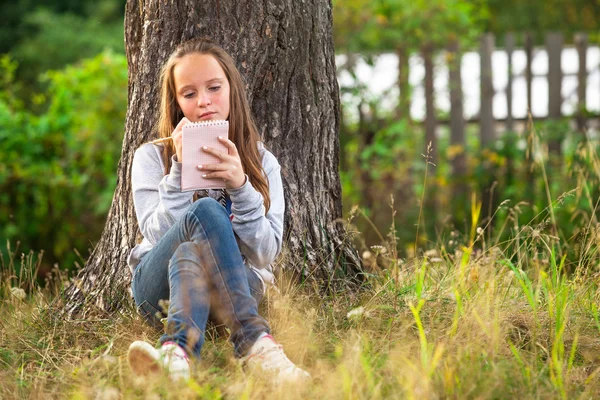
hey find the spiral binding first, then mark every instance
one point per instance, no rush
(212, 122)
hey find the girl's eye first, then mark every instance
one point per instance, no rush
(214, 88)
(188, 95)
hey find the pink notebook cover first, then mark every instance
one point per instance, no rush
(194, 136)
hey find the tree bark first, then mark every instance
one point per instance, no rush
(284, 50)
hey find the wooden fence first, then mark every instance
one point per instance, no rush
(554, 44)
(489, 186)
(488, 125)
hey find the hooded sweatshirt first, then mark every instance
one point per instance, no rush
(159, 203)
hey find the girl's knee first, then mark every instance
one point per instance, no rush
(185, 250)
(205, 216)
(208, 209)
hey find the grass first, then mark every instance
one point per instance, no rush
(474, 318)
(462, 325)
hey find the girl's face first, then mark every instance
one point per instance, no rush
(202, 89)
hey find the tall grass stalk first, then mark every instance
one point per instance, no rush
(476, 319)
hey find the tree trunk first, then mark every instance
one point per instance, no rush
(284, 50)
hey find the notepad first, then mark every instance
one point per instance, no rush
(195, 135)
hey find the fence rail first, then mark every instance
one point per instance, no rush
(554, 46)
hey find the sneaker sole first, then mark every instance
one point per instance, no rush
(143, 359)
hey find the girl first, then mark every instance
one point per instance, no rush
(208, 252)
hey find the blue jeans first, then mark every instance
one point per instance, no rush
(198, 267)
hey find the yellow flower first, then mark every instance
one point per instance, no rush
(454, 150)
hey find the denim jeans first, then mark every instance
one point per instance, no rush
(198, 267)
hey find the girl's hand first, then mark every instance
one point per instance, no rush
(230, 169)
(176, 136)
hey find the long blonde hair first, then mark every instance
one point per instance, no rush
(242, 129)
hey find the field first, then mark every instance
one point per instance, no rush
(487, 320)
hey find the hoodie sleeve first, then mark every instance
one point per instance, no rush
(157, 198)
(260, 236)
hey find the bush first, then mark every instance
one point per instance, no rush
(58, 172)
(54, 39)
(532, 187)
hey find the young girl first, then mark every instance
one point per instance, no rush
(208, 252)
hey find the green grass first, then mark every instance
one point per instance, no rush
(467, 324)
(472, 317)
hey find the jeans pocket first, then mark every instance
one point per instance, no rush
(152, 314)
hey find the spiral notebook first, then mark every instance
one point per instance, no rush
(195, 135)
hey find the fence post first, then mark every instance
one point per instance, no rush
(457, 121)
(581, 42)
(528, 73)
(554, 46)
(509, 45)
(486, 115)
(530, 188)
(430, 126)
(430, 119)
(458, 146)
(403, 109)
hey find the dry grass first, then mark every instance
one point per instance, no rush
(471, 318)
(442, 326)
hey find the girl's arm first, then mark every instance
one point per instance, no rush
(260, 236)
(157, 198)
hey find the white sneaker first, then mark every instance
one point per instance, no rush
(267, 356)
(145, 360)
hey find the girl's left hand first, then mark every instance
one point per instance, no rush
(230, 169)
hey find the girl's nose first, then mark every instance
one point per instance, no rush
(203, 100)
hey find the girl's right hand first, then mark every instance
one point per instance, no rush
(176, 136)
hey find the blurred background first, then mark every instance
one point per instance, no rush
(446, 104)
(452, 105)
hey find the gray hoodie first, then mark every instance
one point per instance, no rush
(159, 202)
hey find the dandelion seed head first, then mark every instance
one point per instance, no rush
(18, 293)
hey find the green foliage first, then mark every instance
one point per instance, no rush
(16, 18)
(555, 194)
(417, 23)
(540, 16)
(349, 21)
(382, 155)
(386, 25)
(58, 171)
(60, 39)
